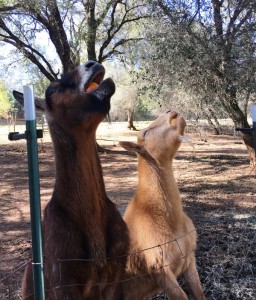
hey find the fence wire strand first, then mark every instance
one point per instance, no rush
(131, 278)
(98, 283)
(134, 277)
(11, 292)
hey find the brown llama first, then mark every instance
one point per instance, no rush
(83, 232)
(162, 236)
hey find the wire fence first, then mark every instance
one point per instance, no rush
(13, 291)
(59, 261)
(226, 255)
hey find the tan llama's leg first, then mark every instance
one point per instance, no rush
(171, 287)
(193, 281)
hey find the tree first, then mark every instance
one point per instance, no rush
(8, 107)
(125, 98)
(101, 27)
(207, 48)
(5, 104)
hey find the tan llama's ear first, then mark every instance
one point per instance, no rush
(130, 146)
(39, 102)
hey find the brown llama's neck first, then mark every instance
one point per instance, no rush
(79, 186)
(158, 187)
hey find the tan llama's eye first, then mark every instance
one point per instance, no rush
(145, 133)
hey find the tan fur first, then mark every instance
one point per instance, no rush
(156, 219)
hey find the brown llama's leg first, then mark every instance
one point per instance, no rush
(27, 283)
(117, 249)
(113, 290)
(193, 281)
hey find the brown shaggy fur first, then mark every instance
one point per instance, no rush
(83, 232)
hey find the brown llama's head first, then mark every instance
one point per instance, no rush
(161, 139)
(80, 99)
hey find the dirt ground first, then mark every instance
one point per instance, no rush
(218, 188)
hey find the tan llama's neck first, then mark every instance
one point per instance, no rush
(156, 185)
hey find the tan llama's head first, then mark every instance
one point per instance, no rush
(161, 139)
(79, 100)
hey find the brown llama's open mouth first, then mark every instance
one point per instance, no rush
(92, 86)
(94, 82)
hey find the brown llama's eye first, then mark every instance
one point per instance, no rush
(51, 92)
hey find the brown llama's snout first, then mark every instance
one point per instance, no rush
(83, 88)
(81, 91)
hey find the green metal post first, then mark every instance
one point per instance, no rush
(34, 194)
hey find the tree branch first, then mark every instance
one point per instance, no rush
(119, 43)
(54, 25)
(9, 8)
(232, 29)
(112, 31)
(17, 43)
(105, 11)
(218, 22)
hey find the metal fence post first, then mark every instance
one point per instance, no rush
(253, 129)
(34, 193)
(253, 110)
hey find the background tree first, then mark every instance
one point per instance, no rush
(199, 54)
(99, 27)
(5, 104)
(206, 49)
(125, 99)
(8, 107)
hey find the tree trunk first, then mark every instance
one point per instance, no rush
(216, 129)
(217, 124)
(130, 120)
(92, 29)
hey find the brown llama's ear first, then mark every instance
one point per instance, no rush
(130, 146)
(39, 102)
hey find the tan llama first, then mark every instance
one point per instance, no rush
(156, 219)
